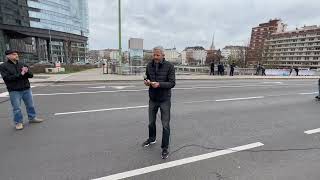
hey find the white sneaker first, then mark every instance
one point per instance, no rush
(19, 126)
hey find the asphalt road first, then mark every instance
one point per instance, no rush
(95, 130)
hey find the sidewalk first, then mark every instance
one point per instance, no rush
(96, 75)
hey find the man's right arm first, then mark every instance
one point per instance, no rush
(7, 76)
(147, 80)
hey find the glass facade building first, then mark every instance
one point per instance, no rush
(45, 30)
(69, 16)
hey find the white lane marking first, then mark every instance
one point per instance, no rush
(95, 84)
(272, 82)
(88, 92)
(138, 90)
(100, 110)
(144, 106)
(237, 99)
(6, 94)
(313, 131)
(308, 93)
(98, 87)
(180, 162)
(217, 87)
(121, 87)
(62, 78)
(191, 102)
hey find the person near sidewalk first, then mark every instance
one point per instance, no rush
(222, 70)
(219, 69)
(160, 77)
(212, 68)
(263, 71)
(297, 71)
(258, 69)
(232, 69)
(318, 97)
(16, 77)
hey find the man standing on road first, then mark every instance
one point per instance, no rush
(160, 77)
(15, 75)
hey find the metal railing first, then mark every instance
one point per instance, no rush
(185, 70)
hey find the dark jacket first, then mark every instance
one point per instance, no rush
(11, 75)
(165, 75)
(212, 66)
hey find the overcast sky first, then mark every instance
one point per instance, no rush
(184, 23)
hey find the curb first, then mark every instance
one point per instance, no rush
(189, 79)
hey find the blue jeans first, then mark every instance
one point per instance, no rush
(15, 98)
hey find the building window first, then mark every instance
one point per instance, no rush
(315, 58)
(18, 21)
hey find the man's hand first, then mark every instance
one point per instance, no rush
(155, 84)
(147, 82)
(24, 71)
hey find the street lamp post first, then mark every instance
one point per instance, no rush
(120, 48)
(50, 45)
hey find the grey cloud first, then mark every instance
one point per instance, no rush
(188, 22)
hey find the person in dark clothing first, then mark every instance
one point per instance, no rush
(222, 70)
(16, 77)
(212, 68)
(297, 71)
(219, 69)
(290, 71)
(318, 97)
(258, 69)
(263, 71)
(232, 69)
(160, 77)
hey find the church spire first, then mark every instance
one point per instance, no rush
(212, 47)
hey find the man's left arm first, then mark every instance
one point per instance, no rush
(171, 79)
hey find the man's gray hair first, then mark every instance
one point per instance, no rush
(159, 48)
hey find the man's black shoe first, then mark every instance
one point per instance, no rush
(164, 154)
(148, 143)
